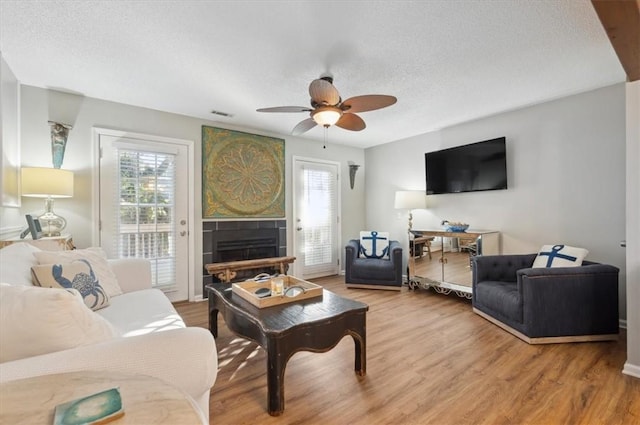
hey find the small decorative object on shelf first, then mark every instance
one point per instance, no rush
(454, 226)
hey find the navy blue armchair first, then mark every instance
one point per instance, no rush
(547, 305)
(373, 273)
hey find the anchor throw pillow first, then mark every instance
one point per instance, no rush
(374, 244)
(560, 256)
(77, 275)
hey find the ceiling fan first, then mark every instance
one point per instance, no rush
(328, 108)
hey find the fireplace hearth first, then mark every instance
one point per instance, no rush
(224, 241)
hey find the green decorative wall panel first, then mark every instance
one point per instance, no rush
(242, 174)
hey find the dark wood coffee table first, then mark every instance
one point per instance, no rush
(315, 324)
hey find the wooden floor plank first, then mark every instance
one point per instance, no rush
(430, 360)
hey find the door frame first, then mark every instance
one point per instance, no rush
(294, 210)
(96, 132)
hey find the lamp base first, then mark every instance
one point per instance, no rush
(51, 223)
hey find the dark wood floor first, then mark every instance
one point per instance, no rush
(430, 360)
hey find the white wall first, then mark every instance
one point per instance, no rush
(566, 177)
(40, 105)
(632, 365)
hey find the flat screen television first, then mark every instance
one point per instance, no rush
(469, 168)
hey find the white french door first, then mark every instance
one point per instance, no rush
(316, 217)
(144, 207)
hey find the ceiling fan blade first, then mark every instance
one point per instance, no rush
(351, 122)
(303, 126)
(285, 109)
(323, 92)
(367, 102)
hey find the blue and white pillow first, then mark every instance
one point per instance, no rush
(560, 256)
(374, 244)
(77, 275)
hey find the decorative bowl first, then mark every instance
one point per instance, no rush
(458, 227)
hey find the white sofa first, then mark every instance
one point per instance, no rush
(150, 337)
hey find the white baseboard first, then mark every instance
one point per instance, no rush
(631, 370)
(10, 232)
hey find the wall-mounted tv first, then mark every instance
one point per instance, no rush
(469, 168)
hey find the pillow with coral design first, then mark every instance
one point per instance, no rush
(77, 275)
(96, 257)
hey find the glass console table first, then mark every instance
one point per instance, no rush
(452, 273)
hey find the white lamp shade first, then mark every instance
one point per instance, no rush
(411, 200)
(44, 182)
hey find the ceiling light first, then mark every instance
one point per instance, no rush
(326, 115)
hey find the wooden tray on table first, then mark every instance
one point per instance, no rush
(248, 288)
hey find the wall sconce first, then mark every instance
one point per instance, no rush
(352, 173)
(59, 135)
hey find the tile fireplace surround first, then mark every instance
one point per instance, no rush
(241, 240)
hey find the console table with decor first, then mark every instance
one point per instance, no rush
(227, 271)
(47, 243)
(418, 244)
(482, 242)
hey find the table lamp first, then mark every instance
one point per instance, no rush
(48, 183)
(410, 200)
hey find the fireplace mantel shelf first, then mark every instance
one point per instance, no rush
(227, 271)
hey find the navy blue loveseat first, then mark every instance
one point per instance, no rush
(546, 305)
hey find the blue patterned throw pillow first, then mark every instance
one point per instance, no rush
(374, 244)
(77, 275)
(560, 256)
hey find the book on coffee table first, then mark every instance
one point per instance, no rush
(93, 409)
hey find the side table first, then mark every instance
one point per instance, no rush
(146, 400)
(52, 243)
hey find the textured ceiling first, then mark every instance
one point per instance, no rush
(446, 61)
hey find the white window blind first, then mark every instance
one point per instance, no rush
(319, 199)
(145, 217)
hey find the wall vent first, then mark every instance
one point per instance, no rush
(222, 114)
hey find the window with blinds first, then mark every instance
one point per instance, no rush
(145, 217)
(319, 204)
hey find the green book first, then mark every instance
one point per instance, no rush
(94, 409)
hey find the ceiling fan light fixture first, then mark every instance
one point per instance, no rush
(326, 116)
